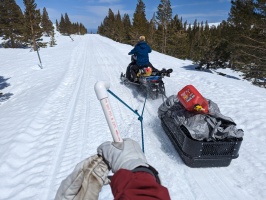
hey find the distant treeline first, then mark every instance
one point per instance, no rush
(21, 29)
(238, 43)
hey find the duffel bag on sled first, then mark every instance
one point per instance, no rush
(202, 136)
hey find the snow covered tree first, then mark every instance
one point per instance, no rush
(33, 31)
(46, 23)
(11, 23)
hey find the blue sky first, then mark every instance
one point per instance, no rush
(92, 12)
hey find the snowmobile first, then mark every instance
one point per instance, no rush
(149, 79)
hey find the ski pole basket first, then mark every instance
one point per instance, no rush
(196, 153)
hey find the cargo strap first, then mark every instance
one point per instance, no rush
(136, 112)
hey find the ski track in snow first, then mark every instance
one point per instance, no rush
(39, 155)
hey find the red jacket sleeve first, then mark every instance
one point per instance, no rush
(127, 185)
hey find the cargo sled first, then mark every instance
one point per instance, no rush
(201, 140)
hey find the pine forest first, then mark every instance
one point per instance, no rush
(238, 43)
(25, 29)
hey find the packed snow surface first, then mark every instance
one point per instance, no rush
(51, 119)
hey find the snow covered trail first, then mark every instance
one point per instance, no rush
(65, 126)
(53, 120)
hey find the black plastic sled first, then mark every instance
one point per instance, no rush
(197, 154)
(210, 152)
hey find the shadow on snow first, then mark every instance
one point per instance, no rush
(192, 68)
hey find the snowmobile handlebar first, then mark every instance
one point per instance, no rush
(100, 89)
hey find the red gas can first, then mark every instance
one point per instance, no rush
(192, 100)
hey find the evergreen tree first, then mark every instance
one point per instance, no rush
(152, 31)
(46, 23)
(256, 48)
(157, 43)
(241, 14)
(208, 44)
(11, 23)
(109, 24)
(246, 19)
(119, 33)
(56, 25)
(177, 40)
(140, 23)
(240, 20)
(33, 31)
(75, 28)
(195, 43)
(127, 29)
(62, 25)
(65, 26)
(83, 30)
(193, 37)
(100, 29)
(52, 40)
(78, 28)
(68, 25)
(164, 16)
(222, 51)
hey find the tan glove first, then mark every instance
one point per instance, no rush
(85, 182)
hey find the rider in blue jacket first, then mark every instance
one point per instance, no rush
(141, 50)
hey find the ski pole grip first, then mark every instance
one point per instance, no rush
(100, 89)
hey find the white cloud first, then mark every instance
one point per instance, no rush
(210, 14)
(97, 14)
(214, 16)
(191, 4)
(102, 11)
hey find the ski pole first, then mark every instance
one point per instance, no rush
(100, 89)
